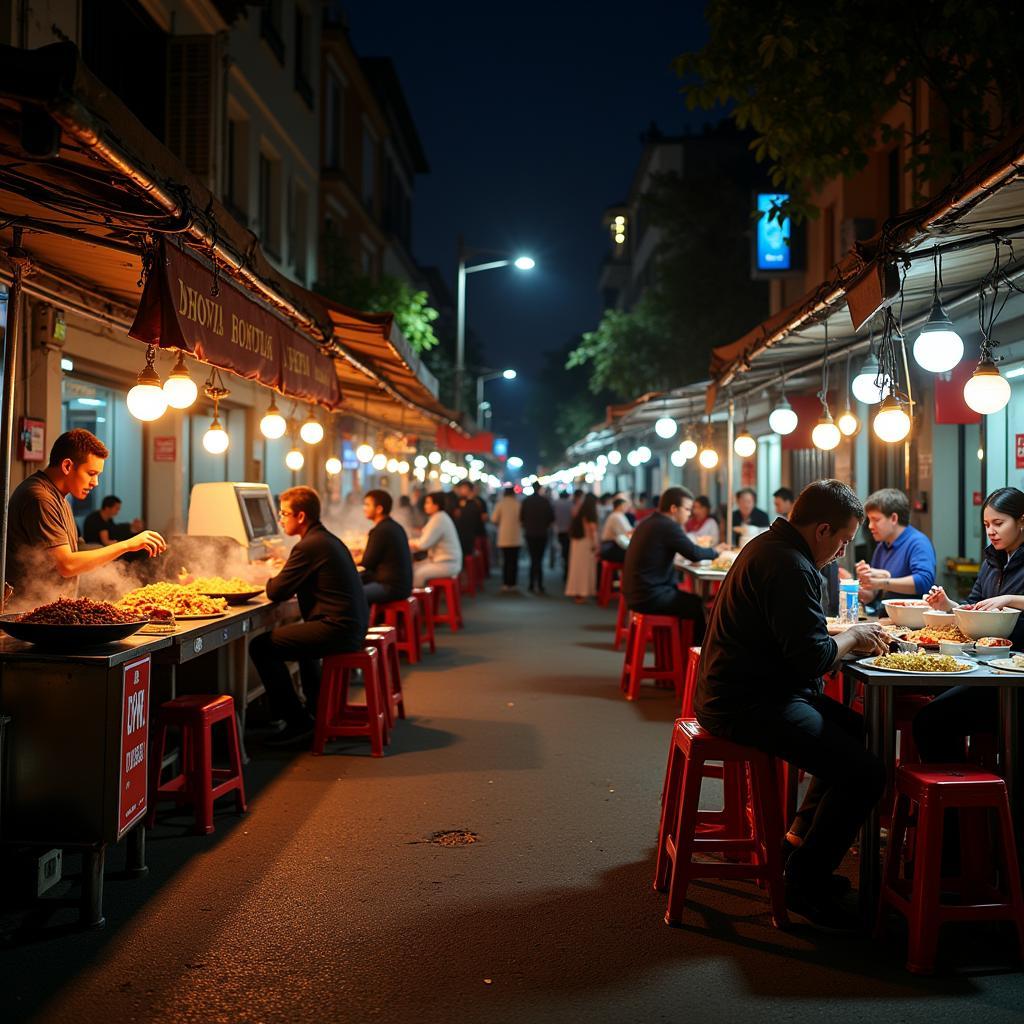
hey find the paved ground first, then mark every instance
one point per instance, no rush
(326, 903)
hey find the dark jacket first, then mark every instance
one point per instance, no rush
(648, 571)
(387, 559)
(758, 517)
(998, 576)
(469, 523)
(321, 574)
(767, 638)
(536, 515)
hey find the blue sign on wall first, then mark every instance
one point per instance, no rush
(773, 236)
(348, 456)
(501, 447)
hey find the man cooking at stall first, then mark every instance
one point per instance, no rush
(43, 559)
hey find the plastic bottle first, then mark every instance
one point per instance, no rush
(849, 606)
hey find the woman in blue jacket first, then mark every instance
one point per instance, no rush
(940, 727)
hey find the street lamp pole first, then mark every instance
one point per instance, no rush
(481, 380)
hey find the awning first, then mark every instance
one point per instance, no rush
(455, 441)
(185, 306)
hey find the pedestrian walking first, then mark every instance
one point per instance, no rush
(536, 516)
(563, 520)
(581, 580)
(510, 537)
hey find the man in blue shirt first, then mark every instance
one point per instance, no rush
(904, 561)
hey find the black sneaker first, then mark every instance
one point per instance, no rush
(292, 735)
(822, 908)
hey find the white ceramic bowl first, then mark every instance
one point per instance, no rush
(951, 647)
(908, 612)
(939, 619)
(978, 624)
(985, 653)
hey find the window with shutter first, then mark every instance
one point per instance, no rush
(192, 91)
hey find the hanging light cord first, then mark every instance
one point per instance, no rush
(823, 393)
(987, 318)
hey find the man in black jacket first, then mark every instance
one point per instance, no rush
(649, 578)
(759, 683)
(321, 574)
(387, 560)
(536, 516)
(469, 520)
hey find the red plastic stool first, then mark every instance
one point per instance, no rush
(467, 577)
(385, 640)
(335, 716)
(402, 615)
(668, 634)
(981, 896)
(621, 621)
(199, 782)
(483, 549)
(425, 597)
(690, 681)
(447, 587)
(481, 569)
(609, 571)
(686, 830)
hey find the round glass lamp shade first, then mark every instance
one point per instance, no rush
(379, 462)
(938, 347)
(434, 458)
(783, 419)
(392, 465)
(892, 423)
(744, 445)
(147, 401)
(364, 452)
(988, 390)
(863, 385)
(273, 425)
(216, 439)
(708, 458)
(644, 453)
(180, 389)
(848, 424)
(312, 431)
(420, 462)
(403, 467)
(677, 458)
(295, 460)
(333, 465)
(614, 458)
(633, 458)
(689, 448)
(666, 427)
(825, 434)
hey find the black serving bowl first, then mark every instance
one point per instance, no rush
(244, 597)
(68, 637)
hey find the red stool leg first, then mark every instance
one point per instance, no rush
(768, 831)
(374, 709)
(669, 812)
(1010, 868)
(236, 763)
(923, 927)
(681, 842)
(204, 779)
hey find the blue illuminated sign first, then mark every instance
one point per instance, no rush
(773, 248)
(348, 456)
(501, 447)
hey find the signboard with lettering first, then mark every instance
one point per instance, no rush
(31, 439)
(1020, 451)
(165, 449)
(134, 736)
(183, 306)
(773, 251)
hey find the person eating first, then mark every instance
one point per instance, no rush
(386, 563)
(940, 726)
(616, 532)
(321, 574)
(760, 683)
(904, 561)
(746, 513)
(439, 540)
(702, 527)
(783, 499)
(42, 538)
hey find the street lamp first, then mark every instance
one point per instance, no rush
(519, 262)
(481, 381)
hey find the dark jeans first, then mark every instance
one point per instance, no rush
(826, 740)
(940, 727)
(563, 543)
(509, 566)
(679, 603)
(306, 643)
(381, 593)
(612, 552)
(536, 546)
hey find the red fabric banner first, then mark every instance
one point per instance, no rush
(229, 330)
(950, 406)
(452, 441)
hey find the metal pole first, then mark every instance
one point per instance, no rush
(730, 430)
(19, 260)
(479, 396)
(460, 325)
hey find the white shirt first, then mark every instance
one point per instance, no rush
(616, 526)
(440, 539)
(709, 528)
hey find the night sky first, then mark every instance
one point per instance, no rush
(530, 116)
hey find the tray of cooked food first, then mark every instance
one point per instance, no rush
(234, 590)
(723, 563)
(932, 636)
(919, 664)
(179, 600)
(71, 624)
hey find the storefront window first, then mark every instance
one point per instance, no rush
(103, 412)
(205, 468)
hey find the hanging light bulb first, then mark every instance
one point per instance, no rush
(938, 347)
(312, 430)
(891, 424)
(988, 390)
(614, 457)
(688, 447)
(864, 386)
(146, 400)
(216, 439)
(677, 458)
(825, 434)
(744, 445)
(848, 424)
(403, 467)
(434, 458)
(420, 462)
(783, 419)
(273, 425)
(708, 457)
(666, 427)
(333, 465)
(180, 389)
(644, 453)
(392, 465)
(294, 460)
(364, 453)
(379, 462)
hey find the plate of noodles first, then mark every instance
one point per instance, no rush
(234, 590)
(172, 597)
(920, 664)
